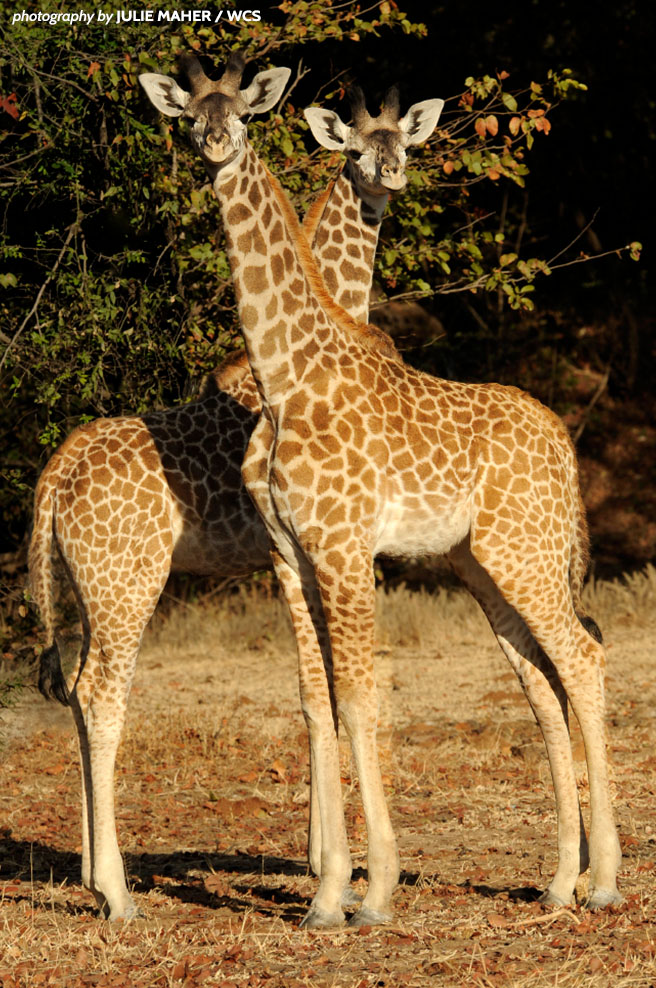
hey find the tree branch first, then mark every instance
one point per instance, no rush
(72, 230)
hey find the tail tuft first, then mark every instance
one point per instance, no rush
(51, 677)
(591, 627)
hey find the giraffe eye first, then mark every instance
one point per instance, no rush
(355, 155)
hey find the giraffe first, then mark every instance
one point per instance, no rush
(127, 500)
(356, 453)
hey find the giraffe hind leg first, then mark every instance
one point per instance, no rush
(99, 696)
(99, 714)
(548, 701)
(543, 600)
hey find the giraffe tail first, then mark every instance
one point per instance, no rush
(52, 683)
(578, 568)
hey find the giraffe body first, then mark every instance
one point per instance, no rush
(125, 501)
(355, 451)
(128, 500)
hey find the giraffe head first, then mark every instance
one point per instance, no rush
(375, 146)
(218, 110)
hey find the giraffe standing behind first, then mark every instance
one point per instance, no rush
(356, 453)
(127, 500)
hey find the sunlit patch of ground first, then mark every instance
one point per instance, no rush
(212, 806)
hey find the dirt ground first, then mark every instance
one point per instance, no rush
(212, 806)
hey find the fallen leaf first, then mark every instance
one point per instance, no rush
(278, 771)
(496, 920)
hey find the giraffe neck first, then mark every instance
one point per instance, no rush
(288, 318)
(342, 226)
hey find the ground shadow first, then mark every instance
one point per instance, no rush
(525, 893)
(179, 875)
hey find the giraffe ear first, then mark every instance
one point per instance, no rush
(328, 129)
(265, 90)
(164, 93)
(421, 120)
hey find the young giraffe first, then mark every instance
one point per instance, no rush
(167, 488)
(356, 453)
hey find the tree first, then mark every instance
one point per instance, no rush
(115, 288)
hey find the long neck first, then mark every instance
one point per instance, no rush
(286, 315)
(342, 228)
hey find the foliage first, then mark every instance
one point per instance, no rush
(115, 292)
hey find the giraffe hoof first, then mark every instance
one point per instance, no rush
(320, 919)
(369, 917)
(602, 898)
(350, 898)
(126, 913)
(549, 898)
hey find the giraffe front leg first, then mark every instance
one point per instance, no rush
(350, 898)
(347, 593)
(328, 849)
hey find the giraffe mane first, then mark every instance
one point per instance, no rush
(231, 371)
(314, 213)
(370, 336)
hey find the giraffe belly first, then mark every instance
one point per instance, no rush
(418, 530)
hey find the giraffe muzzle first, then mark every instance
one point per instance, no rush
(215, 145)
(392, 179)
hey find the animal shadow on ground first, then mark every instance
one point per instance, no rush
(179, 875)
(187, 877)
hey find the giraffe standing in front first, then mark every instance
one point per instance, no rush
(356, 453)
(127, 500)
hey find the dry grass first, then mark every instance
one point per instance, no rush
(212, 802)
